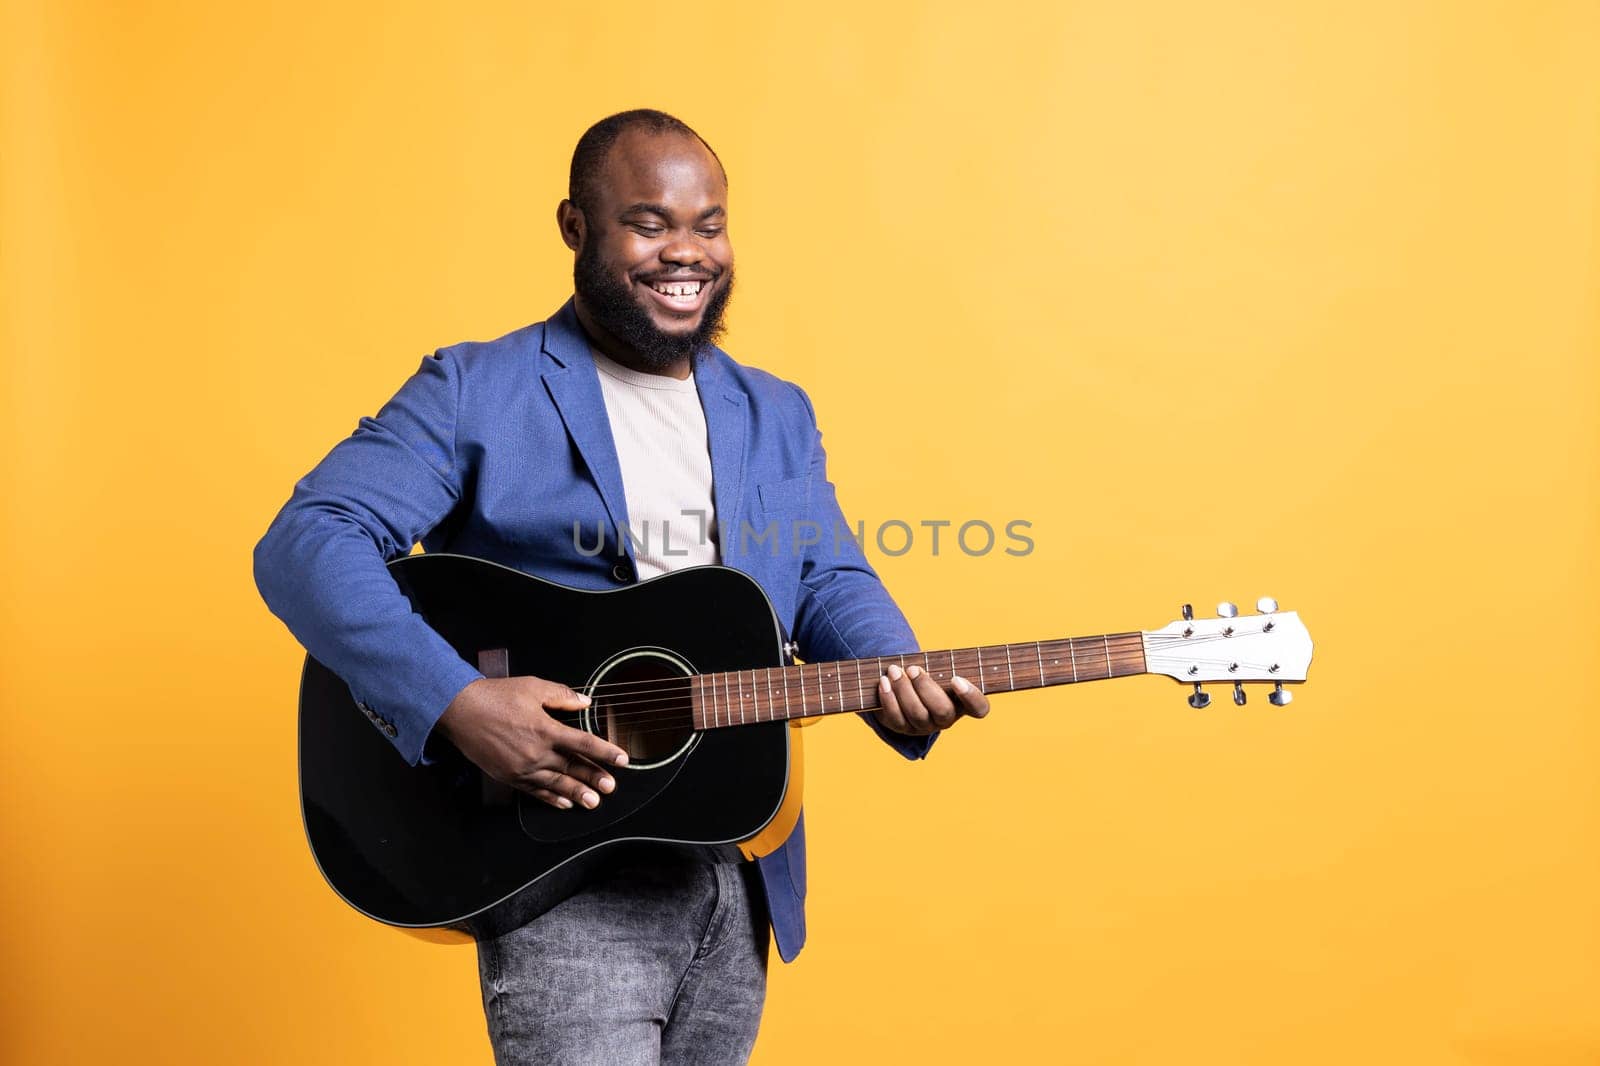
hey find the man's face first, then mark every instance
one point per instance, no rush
(655, 265)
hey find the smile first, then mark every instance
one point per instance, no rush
(680, 296)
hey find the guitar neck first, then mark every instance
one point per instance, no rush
(777, 693)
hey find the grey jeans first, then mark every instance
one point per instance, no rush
(662, 961)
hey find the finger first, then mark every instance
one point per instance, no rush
(562, 785)
(595, 777)
(559, 697)
(941, 712)
(571, 740)
(555, 799)
(973, 701)
(889, 708)
(915, 714)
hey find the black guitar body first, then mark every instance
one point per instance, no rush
(441, 847)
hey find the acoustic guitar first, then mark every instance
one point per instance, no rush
(689, 673)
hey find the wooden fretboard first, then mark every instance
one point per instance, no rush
(776, 693)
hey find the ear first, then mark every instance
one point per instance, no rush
(571, 222)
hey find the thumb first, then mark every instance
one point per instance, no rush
(561, 698)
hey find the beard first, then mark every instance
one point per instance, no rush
(620, 313)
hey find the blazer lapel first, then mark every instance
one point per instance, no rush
(727, 418)
(575, 389)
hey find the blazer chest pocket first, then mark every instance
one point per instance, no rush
(784, 497)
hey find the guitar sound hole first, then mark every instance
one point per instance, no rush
(641, 704)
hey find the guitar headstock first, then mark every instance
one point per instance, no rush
(1269, 646)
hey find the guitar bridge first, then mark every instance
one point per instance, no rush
(495, 662)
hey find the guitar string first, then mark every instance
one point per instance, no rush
(1120, 638)
(681, 697)
(675, 718)
(658, 695)
(679, 711)
(652, 686)
(718, 684)
(676, 710)
(653, 690)
(941, 652)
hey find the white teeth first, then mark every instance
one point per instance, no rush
(679, 288)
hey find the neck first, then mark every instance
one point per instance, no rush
(766, 695)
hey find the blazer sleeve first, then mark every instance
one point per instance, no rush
(844, 611)
(321, 565)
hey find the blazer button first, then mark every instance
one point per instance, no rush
(389, 730)
(623, 571)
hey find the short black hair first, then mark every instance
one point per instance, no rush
(590, 154)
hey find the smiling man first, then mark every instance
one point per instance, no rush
(644, 294)
(618, 413)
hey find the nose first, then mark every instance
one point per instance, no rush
(684, 251)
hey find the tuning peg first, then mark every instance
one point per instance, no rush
(1266, 605)
(1227, 610)
(1238, 693)
(1200, 699)
(1188, 612)
(1280, 697)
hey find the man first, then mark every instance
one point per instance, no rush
(617, 413)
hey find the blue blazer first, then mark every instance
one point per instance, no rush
(496, 449)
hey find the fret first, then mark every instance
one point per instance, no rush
(727, 692)
(831, 695)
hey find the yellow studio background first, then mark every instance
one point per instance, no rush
(1226, 300)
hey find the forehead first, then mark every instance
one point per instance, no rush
(671, 169)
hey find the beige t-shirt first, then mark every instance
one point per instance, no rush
(659, 429)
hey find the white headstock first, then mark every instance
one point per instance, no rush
(1271, 646)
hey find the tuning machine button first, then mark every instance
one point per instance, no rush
(1238, 693)
(1200, 699)
(1188, 612)
(1280, 697)
(1266, 605)
(1227, 610)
